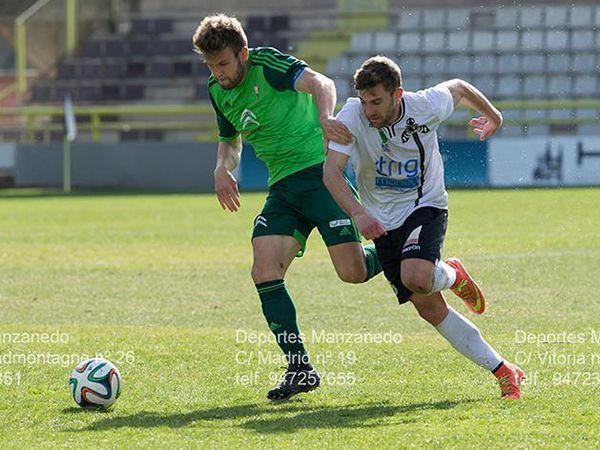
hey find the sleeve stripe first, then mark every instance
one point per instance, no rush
(272, 63)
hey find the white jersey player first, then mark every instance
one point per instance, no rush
(400, 177)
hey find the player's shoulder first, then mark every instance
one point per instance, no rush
(351, 113)
(424, 100)
(271, 57)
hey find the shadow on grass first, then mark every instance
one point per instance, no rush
(281, 418)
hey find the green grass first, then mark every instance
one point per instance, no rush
(160, 283)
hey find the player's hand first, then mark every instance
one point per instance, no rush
(484, 127)
(226, 188)
(336, 131)
(368, 226)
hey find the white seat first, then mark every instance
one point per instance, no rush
(585, 85)
(434, 18)
(559, 86)
(586, 113)
(412, 83)
(556, 16)
(507, 63)
(434, 41)
(531, 16)
(534, 114)
(507, 40)
(581, 15)
(511, 130)
(584, 62)
(509, 86)
(507, 17)
(561, 113)
(484, 64)
(483, 40)
(410, 64)
(459, 64)
(537, 130)
(531, 63)
(385, 42)
(458, 41)
(582, 40)
(458, 18)
(532, 40)
(534, 86)
(486, 84)
(410, 41)
(344, 89)
(362, 42)
(434, 65)
(557, 40)
(558, 63)
(409, 19)
(432, 80)
(587, 129)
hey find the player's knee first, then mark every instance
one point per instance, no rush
(261, 273)
(352, 273)
(417, 281)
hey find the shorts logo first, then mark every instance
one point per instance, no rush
(340, 223)
(260, 220)
(412, 242)
(346, 232)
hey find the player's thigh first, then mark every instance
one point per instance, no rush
(272, 256)
(388, 249)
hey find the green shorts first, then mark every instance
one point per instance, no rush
(300, 202)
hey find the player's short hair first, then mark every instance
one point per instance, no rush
(216, 33)
(378, 70)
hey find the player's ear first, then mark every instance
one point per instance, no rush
(398, 93)
(244, 54)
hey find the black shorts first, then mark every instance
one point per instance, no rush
(421, 236)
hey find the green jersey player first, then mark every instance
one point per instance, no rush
(285, 110)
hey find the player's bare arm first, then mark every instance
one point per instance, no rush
(333, 177)
(322, 89)
(466, 94)
(226, 186)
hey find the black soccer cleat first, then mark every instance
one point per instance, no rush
(296, 379)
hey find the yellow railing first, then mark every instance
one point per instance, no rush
(199, 118)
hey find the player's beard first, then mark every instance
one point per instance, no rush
(390, 116)
(238, 77)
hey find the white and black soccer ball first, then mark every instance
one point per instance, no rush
(95, 383)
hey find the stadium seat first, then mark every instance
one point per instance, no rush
(115, 48)
(460, 65)
(434, 18)
(435, 64)
(531, 16)
(537, 130)
(585, 85)
(532, 63)
(134, 92)
(556, 16)
(559, 86)
(534, 86)
(508, 86)
(486, 84)
(409, 20)
(362, 42)
(457, 19)
(385, 42)
(558, 63)
(507, 63)
(114, 70)
(507, 17)
(136, 69)
(458, 41)
(582, 40)
(507, 41)
(581, 15)
(160, 69)
(484, 64)
(434, 41)
(410, 41)
(482, 41)
(557, 40)
(532, 40)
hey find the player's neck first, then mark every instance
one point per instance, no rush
(396, 115)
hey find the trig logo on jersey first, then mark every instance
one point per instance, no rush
(248, 120)
(398, 175)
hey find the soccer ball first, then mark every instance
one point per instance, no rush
(95, 383)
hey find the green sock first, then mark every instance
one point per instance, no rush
(278, 308)
(373, 265)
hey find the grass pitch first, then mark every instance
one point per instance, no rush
(160, 285)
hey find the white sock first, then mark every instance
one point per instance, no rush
(466, 338)
(444, 276)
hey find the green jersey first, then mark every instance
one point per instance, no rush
(281, 123)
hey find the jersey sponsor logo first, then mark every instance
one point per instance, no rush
(413, 237)
(339, 223)
(260, 220)
(248, 118)
(399, 175)
(406, 184)
(411, 128)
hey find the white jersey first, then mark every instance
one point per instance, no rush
(399, 167)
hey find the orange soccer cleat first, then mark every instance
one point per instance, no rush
(510, 376)
(466, 288)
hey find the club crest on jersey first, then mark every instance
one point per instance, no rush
(248, 118)
(256, 91)
(413, 128)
